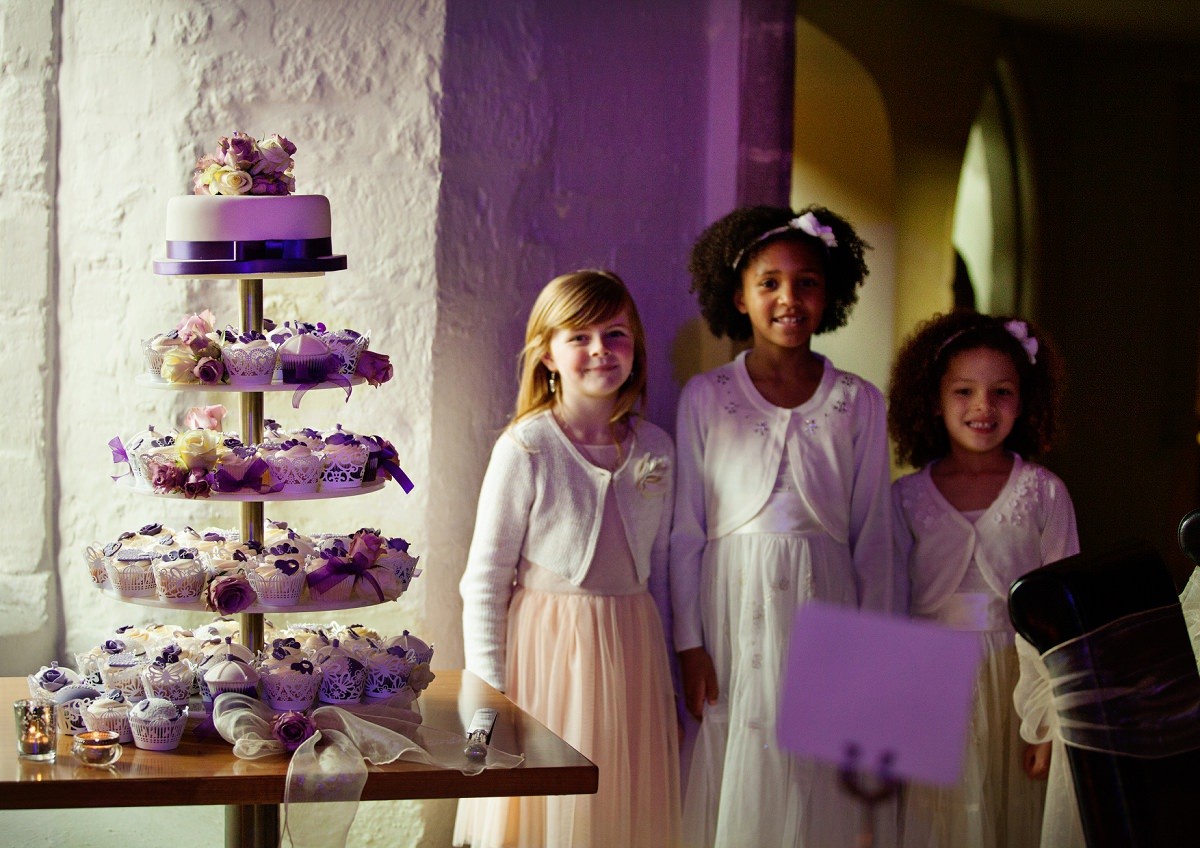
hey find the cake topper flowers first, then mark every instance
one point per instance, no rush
(242, 165)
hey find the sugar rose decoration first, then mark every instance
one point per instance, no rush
(651, 474)
(291, 729)
(243, 165)
(230, 594)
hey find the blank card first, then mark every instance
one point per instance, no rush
(880, 684)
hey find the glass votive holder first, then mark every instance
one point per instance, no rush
(97, 748)
(37, 730)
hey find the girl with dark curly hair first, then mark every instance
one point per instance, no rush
(782, 497)
(972, 399)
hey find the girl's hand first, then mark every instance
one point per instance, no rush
(699, 680)
(1036, 761)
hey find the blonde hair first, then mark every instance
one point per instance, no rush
(573, 301)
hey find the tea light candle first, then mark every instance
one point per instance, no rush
(97, 747)
(36, 731)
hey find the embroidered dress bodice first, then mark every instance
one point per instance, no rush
(611, 571)
(786, 510)
(960, 564)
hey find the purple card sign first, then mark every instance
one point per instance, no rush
(882, 684)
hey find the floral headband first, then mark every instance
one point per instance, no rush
(806, 223)
(1019, 330)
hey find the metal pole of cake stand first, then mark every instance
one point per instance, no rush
(256, 825)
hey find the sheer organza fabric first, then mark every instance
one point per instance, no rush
(329, 768)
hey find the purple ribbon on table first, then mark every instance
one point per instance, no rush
(336, 569)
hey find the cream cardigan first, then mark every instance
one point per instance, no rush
(542, 501)
(731, 442)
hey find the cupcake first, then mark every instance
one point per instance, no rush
(289, 679)
(180, 576)
(94, 556)
(157, 724)
(305, 358)
(156, 348)
(279, 579)
(217, 651)
(72, 701)
(345, 345)
(130, 574)
(45, 682)
(148, 536)
(123, 671)
(343, 676)
(420, 655)
(325, 582)
(399, 562)
(387, 672)
(168, 676)
(345, 462)
(110, 712)
(310, 437)
(294, 468)
(249, 358)
(231, 675)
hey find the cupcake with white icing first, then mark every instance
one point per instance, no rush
(295, 468)
(249, 358)
(278, 579)
(345, 462)
(157, 724)
(110, 712)
(289, 678)
(180, 576)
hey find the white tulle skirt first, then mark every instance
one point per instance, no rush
(593, 669)
(995, 804)
(742, 789)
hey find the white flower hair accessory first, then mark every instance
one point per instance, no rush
(806, 223)
(1019, 330)
(650, 474)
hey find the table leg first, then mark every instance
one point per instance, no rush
(255, 826)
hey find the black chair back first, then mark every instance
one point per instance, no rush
(1124, 801)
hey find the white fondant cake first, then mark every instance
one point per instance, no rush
(194, 218)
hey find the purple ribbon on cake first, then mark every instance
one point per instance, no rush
(331, 377)
(251, 478)
(119, 455)
(244, 251)
(336, 569)
(387, 457)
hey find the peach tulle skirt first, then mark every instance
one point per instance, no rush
(593, 669)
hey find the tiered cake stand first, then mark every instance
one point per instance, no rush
(255, 825)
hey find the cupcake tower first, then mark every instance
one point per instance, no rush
(247, 186)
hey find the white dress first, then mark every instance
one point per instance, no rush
(960, 567)
(742, 789)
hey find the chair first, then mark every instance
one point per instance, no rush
(1124, 801)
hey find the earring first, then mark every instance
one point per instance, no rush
(553, 382)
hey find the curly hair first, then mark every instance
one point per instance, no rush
(914, 395)
(573, 301)
(731, 243)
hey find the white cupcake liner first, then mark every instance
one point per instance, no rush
(114, 720)
(131, 581)
(158, 735)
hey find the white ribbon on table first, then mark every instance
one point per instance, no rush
(330, 766)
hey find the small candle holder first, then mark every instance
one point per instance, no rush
(37, 730)
(97, 748)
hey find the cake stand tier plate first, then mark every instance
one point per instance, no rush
(365, 488)
(308, 605)
(157, 383)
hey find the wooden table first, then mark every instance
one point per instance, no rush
(207, 772)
